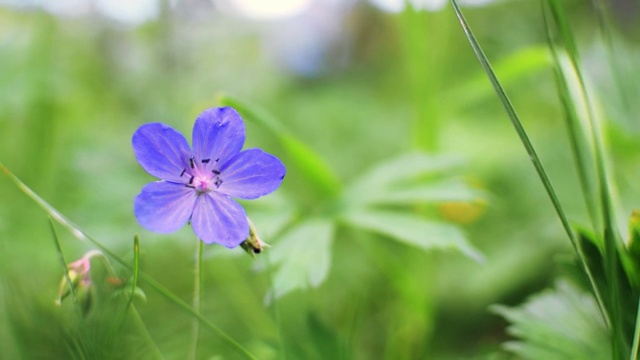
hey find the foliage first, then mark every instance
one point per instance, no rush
(396, 149)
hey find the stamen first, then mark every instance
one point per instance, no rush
(183, 171)
(191, 180)
(218, 182)
(217, 172)
(204, 161)
(217, 160)
(191, 162)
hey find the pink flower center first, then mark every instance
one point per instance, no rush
(200, 178)
(202, 184)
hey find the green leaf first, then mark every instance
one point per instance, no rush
(409, 179)
(563, 323)
(307, 162)
(304, 256)
(517, 65)
(130, 294)
(413, 230)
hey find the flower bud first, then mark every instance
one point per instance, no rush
(79, 273)
(253, 244)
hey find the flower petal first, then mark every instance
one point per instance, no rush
(251, 174)
(218, 219)
(218, 135)
(162, 151)
(163, 206)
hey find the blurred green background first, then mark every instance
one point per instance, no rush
(359, 85)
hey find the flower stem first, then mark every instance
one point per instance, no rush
(65, 271)
(636, 336)
(197, 285)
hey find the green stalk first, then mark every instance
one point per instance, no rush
(636, 336)
(274, 306)
(579, 149)
(81, 235)
(65, 270)
(611, 238)
(197, 297)
(422, 66)
(129, 307)
(515, 121)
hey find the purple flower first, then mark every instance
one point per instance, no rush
(197, 185)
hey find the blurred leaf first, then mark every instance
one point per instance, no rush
(613, 258)
(304, 255)
(563, 323)
(517, 65)
(413, 230)
(575, 114)
(130, 294)
(309, 163)
(439, 191)
(409, 179)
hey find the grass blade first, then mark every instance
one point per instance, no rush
(515, 120)
(65, 270)
(611, 237)
(579, 146)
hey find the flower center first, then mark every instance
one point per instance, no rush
(200, 178)
(202, 184)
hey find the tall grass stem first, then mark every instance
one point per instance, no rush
(515, 120)
(197, 300)
(65, 270)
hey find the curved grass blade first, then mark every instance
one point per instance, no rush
(81, 235)
(579, 146)
(522, 134)
(611, 237)
(309, 163)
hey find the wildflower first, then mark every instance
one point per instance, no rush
(197, 185)
(79, 273)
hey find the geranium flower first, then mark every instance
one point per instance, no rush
(197, 185)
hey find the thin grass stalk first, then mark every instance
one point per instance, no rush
(197, 300)
(579, 147)
(611, 238)
(163, 291)
(421, 62)
(275, 313)
(129, 307)
(134, 281)
(636, 336)
(65, 270)
(515, 120)
(605, 27)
